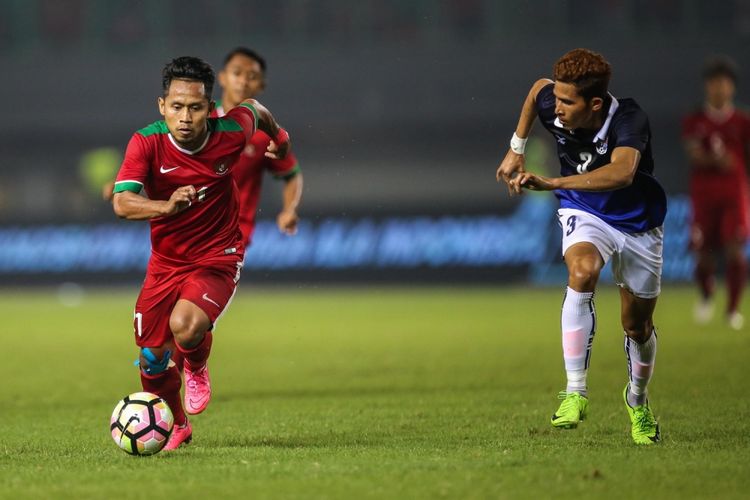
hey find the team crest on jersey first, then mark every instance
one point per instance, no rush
(601, 147)
(221, 168)
(249, 150)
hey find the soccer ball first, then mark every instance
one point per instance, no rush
(141, 423)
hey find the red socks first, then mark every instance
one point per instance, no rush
(178, 359)
(167, 386)
(736, 275)
(196, 357)
(704, 275)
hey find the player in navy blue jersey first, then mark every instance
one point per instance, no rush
(611, 208)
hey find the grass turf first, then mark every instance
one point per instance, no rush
(374, 393)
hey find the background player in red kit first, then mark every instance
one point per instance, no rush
(184, 164)
(716, 139)
(244, 77)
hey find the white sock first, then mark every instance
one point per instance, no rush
(578, 327)
(641, 359)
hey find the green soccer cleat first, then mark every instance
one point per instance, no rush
(644, 427)
(573, 409)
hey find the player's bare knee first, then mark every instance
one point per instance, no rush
(182, 328)
(639, 331)
(189, 338)
(187, 330)
(582, 278)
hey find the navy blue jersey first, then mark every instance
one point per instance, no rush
(633, 209)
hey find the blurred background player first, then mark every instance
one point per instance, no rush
(717, 139)
(184, 163)
(243, 76)
(611, 207)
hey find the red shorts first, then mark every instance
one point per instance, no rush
(718, 221)
(209, 286)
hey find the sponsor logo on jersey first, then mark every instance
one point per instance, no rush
(164, 170)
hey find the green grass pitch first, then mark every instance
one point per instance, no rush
(374, 393)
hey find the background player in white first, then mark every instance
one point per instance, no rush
(611, 207)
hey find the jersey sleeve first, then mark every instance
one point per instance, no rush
(246, 117)
(632, 130)
(285, 168)
(135, 165)
(545, 98)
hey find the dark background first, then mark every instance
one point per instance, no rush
(396, 108)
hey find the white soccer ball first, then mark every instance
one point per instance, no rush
(141, 423)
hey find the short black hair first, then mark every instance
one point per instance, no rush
(720, 66)
(188, 68)
(247, 53)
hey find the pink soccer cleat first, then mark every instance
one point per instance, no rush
(197, 390)
(180, 434)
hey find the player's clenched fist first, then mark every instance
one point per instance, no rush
(287, 222)
(278, 151)
(527, 180)
(512, 164)
(180, 199)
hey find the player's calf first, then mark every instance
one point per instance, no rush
(161, 377)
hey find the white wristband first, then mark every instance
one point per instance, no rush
(518, 145)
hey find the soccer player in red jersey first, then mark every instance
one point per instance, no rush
(184, 165)
(717, 139)
(243, 77)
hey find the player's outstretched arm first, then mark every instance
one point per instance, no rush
(617, 174)
(288, 219)
(514, 161)
(132, 206)
(280, 144)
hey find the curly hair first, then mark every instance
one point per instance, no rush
(188, 68)
(587, 70)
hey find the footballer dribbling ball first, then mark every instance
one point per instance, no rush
(141, 423)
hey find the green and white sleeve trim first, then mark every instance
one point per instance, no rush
(288, 174)
(132, 186)
(255, 112)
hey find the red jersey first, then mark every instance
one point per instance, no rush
(155, 163)
(730, 134)
(248, 174)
